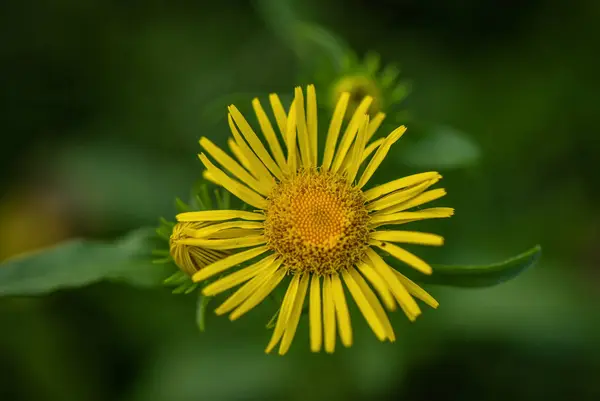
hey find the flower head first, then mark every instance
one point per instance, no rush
(315, 225)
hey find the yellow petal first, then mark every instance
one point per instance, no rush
(370, 149)
(334, 129)
(246, 290)
(351, 131)
(379, 284)
(240, 276)
(312, 125)
(257, 167)
(236, 170)
(229, 243)
(353, 162)
(417, 201)
(255, 143)
(408, 237)
(228, 262)
(237, 152)
(402, 217)
(363, 303)
(290, 134)
(236, 188)
(400, 183)
(417, 291)
(398, 290)
(403, 256)
(219, 215)
(341, 310)
(375, 124)
(269, 134)
(284, 312)
(269, 283)
(315, 318)
(292, 324)
(328, 315)
(207, 231)
(279, 112)
(400, 196)
(303, 139)
(380, 155)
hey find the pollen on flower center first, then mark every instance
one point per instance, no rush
(317, 222)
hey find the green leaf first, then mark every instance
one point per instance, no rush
(80, 262)
(478, 275)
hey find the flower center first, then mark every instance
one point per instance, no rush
(317, 222)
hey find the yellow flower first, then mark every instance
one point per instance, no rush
(313, 223)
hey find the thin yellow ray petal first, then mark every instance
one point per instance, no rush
(207, 231)
(380, 155)
(229, 243)
(292, 324)
(370, 149)
(417, 291)
(408, 237)
(246, 291)
(255, 143)
(234, 168)
(303, 138)
(403, 256)
(379, 284)
(341, 310)
(328, 315)
(257, 167)
(280, 115)
(363, 303)
(237, 152)
(228, 262)
(291, 139)
(398, 290)
(236, 188)
(400, 183)
(312, 125)
(421, 199)
(284, 313)
(240, 276)
(219, 215)
(235, 233)
(208, 177)
(334, 129)
(375, 305)
(269, 134)
(269, 283)
(351, 131)
(400, 196)
(375, 124)
(403, 217)
(352, 162)
(315, 318)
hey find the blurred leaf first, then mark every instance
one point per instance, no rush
(311, 42)
(479, 275)
(80, 262)
(441, 147)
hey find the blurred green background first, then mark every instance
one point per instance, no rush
(102, 104)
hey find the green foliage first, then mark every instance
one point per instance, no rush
(477, 275)
(79, 262)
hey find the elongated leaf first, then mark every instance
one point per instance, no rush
(79, 262)
(475, 275)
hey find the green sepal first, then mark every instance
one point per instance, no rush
(201, 311)
(475, 276)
